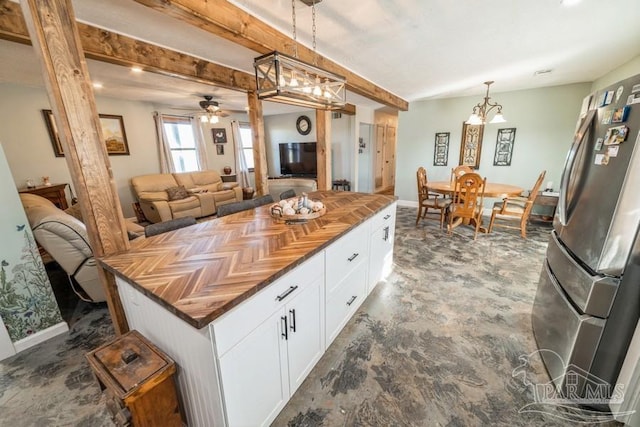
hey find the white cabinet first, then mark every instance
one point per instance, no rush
(260, 370)
(347, 262)
(381, 249)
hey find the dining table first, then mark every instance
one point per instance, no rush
(491, 189)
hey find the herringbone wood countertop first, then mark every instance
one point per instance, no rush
(202, 271)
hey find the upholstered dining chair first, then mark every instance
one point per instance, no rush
(459, 171)
(428, 200)
(515, 211)
(170, 225)
(467, 203)
(288, 194)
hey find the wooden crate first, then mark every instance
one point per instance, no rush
(137, 379)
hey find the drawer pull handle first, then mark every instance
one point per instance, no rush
(353, 298)
(285, 330)
(286, 293)
(387, 216)
(386, 233)
(292, 312)
(352, 257)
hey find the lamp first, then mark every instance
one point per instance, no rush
(209, 118)
(286, 79)
(480, 111)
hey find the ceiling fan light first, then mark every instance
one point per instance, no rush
(204, 119)
(214, 119)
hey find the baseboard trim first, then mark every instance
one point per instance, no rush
(408, 203)
(40, 336)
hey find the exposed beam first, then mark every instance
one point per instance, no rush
(56, 42)
(117, 49)
(226, 20)
(256, 120)
(323, 149)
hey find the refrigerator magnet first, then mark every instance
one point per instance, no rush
(612, 151)
(619, 92)
(633, 98)
(606, 117)
(601, 159)
(599, 143)
(616, 135)
(635, 88)
(620, 115)
(608, 97)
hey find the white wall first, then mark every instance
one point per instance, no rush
(544, 119)
(281, 128)
(30, 154)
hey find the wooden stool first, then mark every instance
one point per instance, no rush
(343, 184)
(137, 381)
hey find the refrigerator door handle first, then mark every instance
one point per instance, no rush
(568, 166)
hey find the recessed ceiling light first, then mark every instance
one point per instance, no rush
(543, 72)
(136, 69)
(569, 3)
(97, 85)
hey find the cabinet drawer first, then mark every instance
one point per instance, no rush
(234, 325)
(384, 217)
(345, 254)
(350, 293)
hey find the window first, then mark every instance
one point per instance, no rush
(182, 143)
(246, 142)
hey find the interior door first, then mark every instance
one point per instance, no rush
(390, 156)
(365, 161)
(379, 158)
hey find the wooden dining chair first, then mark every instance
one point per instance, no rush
(459, 171)
(427, 200)
(515, 210)
(467, 203)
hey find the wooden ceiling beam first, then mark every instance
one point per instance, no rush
(114, 48)
(226, 20)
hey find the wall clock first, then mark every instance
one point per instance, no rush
(303, 124)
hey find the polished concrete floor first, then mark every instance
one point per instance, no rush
(443, 342)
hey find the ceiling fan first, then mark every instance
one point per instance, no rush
(212, 111)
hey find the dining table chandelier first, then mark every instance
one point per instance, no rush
(287, 79)
(481, 110)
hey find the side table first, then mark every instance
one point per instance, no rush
(54, 192)
(341, 184)
(138, 381)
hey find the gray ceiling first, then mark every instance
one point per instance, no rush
(416, 49)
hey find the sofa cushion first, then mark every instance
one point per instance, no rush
(177, 193)
(153, 187)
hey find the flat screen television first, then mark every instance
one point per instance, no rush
(298, 159)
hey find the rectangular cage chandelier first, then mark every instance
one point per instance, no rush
(282, 78)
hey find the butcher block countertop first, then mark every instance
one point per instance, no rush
(202, 271)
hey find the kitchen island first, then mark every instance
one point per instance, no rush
(246, 305)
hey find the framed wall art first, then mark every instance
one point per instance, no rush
(220, 149)
(441, 149)
(219, 135)
(471, 145)
(115, 138)
(504, 147)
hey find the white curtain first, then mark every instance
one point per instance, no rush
(166, 160)
(242, 171)
(201, 148)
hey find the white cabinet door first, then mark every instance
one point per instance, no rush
(381, 257)
(305, 344)
(255, 386)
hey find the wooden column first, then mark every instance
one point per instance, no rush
(323, 148)
(259, 149)
(54, 34)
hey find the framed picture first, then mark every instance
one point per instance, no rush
(441, 149)
(220, 149)
(471, 145)
(504, 147)
(219, 135)
(115, 138)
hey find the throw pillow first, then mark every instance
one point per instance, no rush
(177, 193)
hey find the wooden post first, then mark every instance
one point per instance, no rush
(259, 150)
(54, 35)
(323, 148)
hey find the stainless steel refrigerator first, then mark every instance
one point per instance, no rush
(588, 300)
